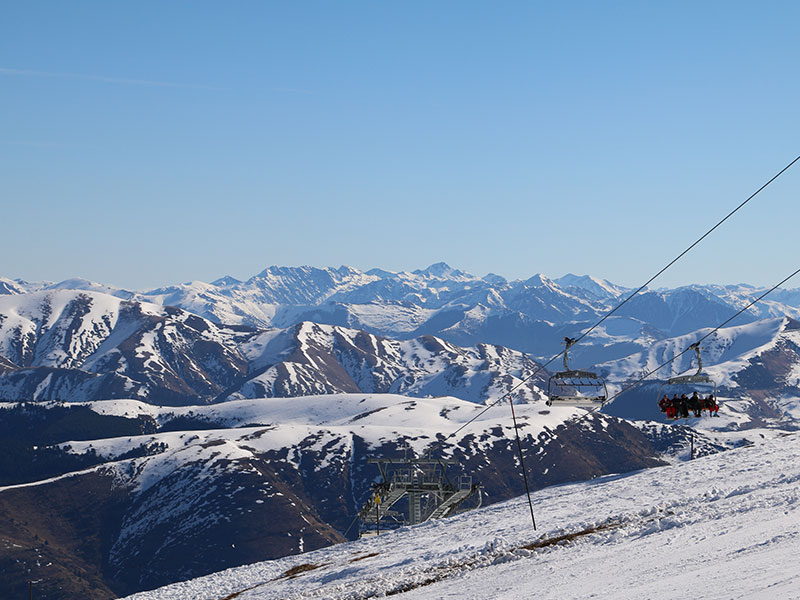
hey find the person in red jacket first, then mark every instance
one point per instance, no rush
(713, 407)
(665, 405)
(672, 408)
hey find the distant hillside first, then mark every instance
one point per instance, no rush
(182, 492)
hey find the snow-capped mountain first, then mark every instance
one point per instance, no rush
(310, 359)
(530, 315)
(65, 345)
(599, 288)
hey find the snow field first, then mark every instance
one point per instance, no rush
(277, 423)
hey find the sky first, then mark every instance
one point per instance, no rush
(150, 143)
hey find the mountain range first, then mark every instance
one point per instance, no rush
(531, 315)
(433, 332)
(66, 346)
(206, 426)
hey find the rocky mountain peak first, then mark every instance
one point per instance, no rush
(441, 270)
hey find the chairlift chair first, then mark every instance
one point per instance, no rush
(699, 382)
(572, 387)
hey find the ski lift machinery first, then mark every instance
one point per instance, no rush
(572, 387)
(699, 382)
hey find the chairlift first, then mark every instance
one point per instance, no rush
(699, 382)
(572, 387)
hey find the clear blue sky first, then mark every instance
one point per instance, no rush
(144, 143)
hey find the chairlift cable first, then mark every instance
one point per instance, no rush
(510, 392)
(682, 254)
(541, 367)
(685, 350)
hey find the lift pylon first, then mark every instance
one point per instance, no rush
(414, 490)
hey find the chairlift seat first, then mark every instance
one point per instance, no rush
(698, 379)
(695, 379)
(589, 389)
(573, 387)
(575, 400)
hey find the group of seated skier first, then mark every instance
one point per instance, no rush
(679, 406)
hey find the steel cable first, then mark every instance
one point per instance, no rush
(509, 393)
(685, 350)
(541, 367)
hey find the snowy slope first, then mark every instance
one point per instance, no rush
(217, 486)
(598, 287)
(375, 418)
(723, 354)
(312, 359)
(721, 526)
(73, 345)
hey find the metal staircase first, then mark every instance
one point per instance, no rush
(449, 506)
(369, 513)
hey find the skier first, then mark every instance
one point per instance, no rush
(694, 404)
(713, 407)
(676, 406)
(684, 405)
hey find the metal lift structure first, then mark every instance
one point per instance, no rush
(414, 490)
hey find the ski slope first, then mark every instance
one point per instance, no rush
(721, 526)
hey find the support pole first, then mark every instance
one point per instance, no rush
(521, 461)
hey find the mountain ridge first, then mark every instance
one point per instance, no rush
(530, 315)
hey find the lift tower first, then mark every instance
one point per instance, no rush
(414, 490)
